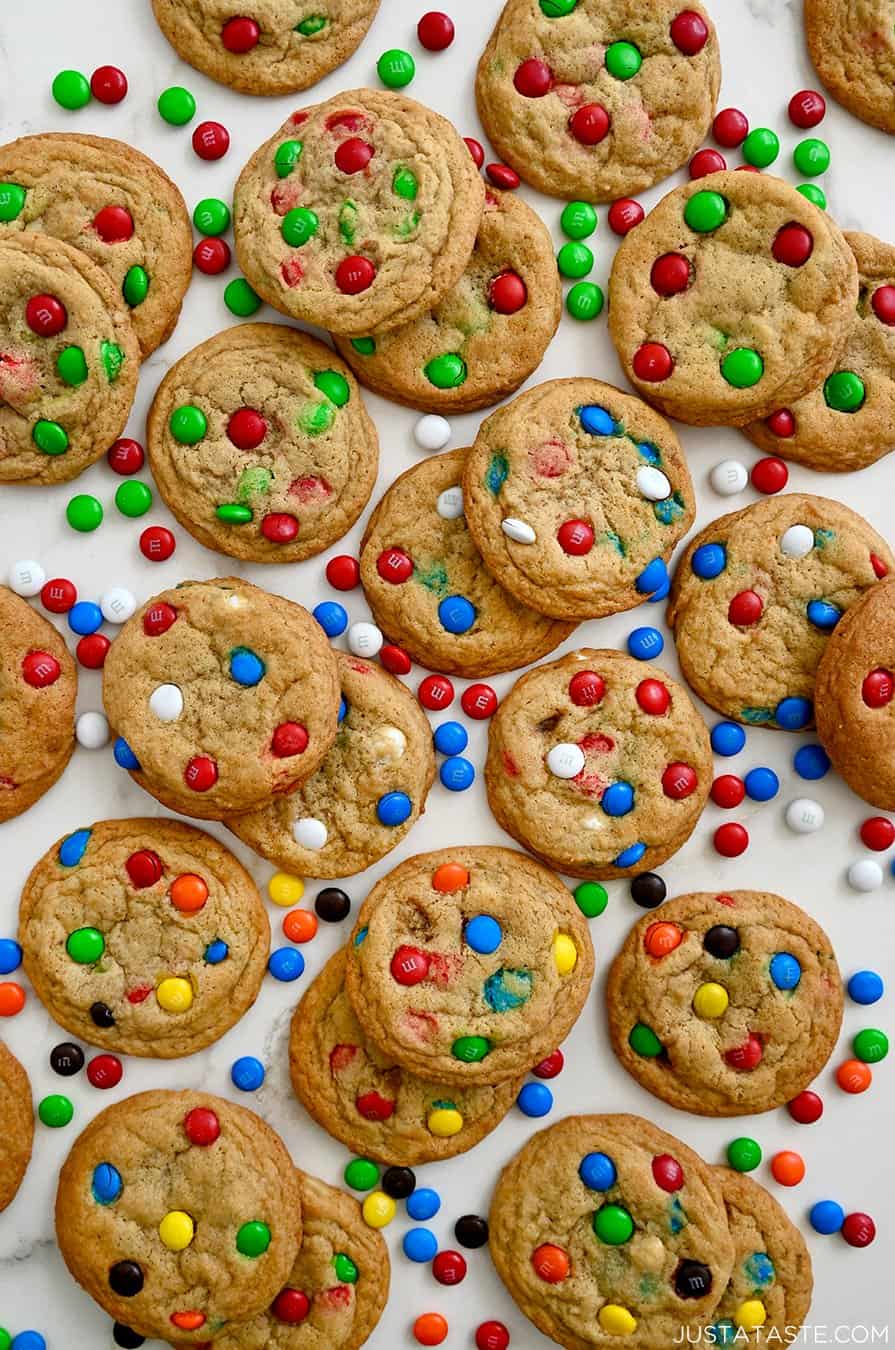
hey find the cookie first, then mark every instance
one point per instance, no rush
(598, 98)
(855, 687)
(368, 792)
(606, 1227)
(733, 298)
(469, 965)
(145, 937)
(428, 588)
(846, 422)
(179, 1213)
(272, 47)
(598, 764)
(38, 685)
(756, 596)
(16, 1125)
(261, 445)
(114, 204)
(852, 46)
(225, 696)
(725, 1005)
(487, 335)
(367, 1101)
(769, 1292)
(576, 494)
(68, 360)
(360, 214)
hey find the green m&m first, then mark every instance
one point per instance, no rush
(623, 60)
(288, 153)
(742, 367)
(591, 898)
(812, 193)
(471, 1049)
(5, 1339)
(811, 157)
(761, 147)
(135, 286)
(871, 1045)
(85, 945)
(253, 1239)
(71, 90)
(743, 1154)
(55, 1111)
(211, 216)
(49, 437)
(361, 1174)
(395, 68)
(334, 386)
(705, 211)
(188, 424)
(578, 220)
(71, 366)
(557, 9)
(313, 24)
(584, 300)
(233, 513)
(133, 498)
(346, 1270)
(176, 105)
(240, 298)
(844, 391)
(315, 418)
(112, 357)
(299, 225)
(574, 259)
(405, 185)
(644, 1041)
(12, 199)
(613, 1225)
(84, 513)
(364, 346)
(447, 371)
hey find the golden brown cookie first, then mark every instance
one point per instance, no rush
(143, 936)
(576, 494)
(756, 595)
(179, 1213)
(38, 686)
(725, 1004)
(598, 764)
(598, 98)
(261, 445)
(16, 1125)
(423, 577)
(607, 1230)
(224, 695)
(359, 214)
(115, 205)
(733, 298)
(487, 335)
(367, 1101)
(368, 792)
(852, 46)
(469, 965)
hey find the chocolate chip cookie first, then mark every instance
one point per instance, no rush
(852, 45)
(16, 1125)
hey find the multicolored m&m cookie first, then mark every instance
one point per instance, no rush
(222, 697)
(16, 1125)
(576, 494)
(261, 445)
(179, 1213)
(592, 99)
(363, 1098)
(730, 1004)
(144, 936)
(360, 214)
(852, 51)
(598, 764)
(756, 596)
(487, 335)
(732, 299)
(469, 965)
(605, 1228)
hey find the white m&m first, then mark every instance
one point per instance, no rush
(729, 477)
(432, 432)
(364, 639)
(804, 815)
(450, 503)
(797, 541)
(117, 605)
(652, 483)
(166, 702)
(565, 760)
(309, 832)
(518, 530)
(26, 577)
(92, 730)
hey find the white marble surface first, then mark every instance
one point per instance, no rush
(848, 1153)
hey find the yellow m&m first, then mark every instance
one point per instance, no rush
(444, 1121)
(565, 953)
(284, 889)
(710, 1000)
(751, 1314)
(615, 1320)
(175, 995)
(378, 1209)
(176, 1230)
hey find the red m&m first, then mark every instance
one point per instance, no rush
(533, 78)
(126, 456)
(883, 302)
(289, 738)
(501, 175)
(624, 214)
(576, 537)
(246, 429)
(435, 691)
(491, 1336)
(782, 423)
(201, 773)
(354, 275)
(278, 527)
(679, 781)
(878, 688)
(435, 31)
(747, 1056)
(745, 609)
(479, 702)
(211, 140)
(793, 245)
(707, 161)
(653, 697)
(859, 1230)
(395, 659)
(770, 475)
(240, 34)
(507, 293)
(449, 1267)
(689, 32)
(291, 1306)
(45, 315)
(652, 362)
(667, 1172)
(807, 108)
(731, 840)
(353, 155)
(158, 619)
(40, 669)
(144, 868)
(92, 651)
(586, 689)
(212, 256)
(589, 124)
(806, 1108)
(394, 566)
(409, 966)
(878, 833)
(157, 543)
(670, 274)
(113, 224)
(202, 1126)
(58, 595)
(108, 84)
(104, 1071)
(343, 572)
(730, 128)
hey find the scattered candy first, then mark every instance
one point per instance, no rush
(859, 1230)
(769, 475)
(343, 572)
(787, 1168)
(211, 256)
(71, 90)
(865, 987)
(157, 543)
(435, 692)
(727, 791)
(435, 31)
(729, 477)
(731, 840)
(854, 1076)
(728, 738)
(211, 140)
(865, 875)
(730, 128)
(645, 644)
(108, 84)
(502, 176)
(877, 833)
(591, 898)
(807, 108)
(92, 730)
(84, 513)
(811, 762)
(104, 1071)
(27, 578)
(870, 1045)
(806, 1108)
(826, 1217)
(457, 774)
(811, 157)
(378, 1209)
(12, 998)
(430, 1329)
(55, 1111)
(761, 147)
(432, 432)
(332, 905)
(744, 1154)
(419, 1245)
(286, 964)
(241, 299)
(806, 816)
(10, 956)
(535, 1099)
(491, 1336)
(176, 106)
(364, 639)
(648, 890)
(762, 785)
(247, 1073)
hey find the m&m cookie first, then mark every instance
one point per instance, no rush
(576, 494)
(598, 764)
(854, 54)
(605, 1228)
(756, 596)
(222, 696)
(469, 965)
(261, 445)
(598, 100)
(428, 588)
(16, 1125)
(143, 936)
(360, 214)
(728, 1005)
(487, 335)
(368, 792)
(179, 1213)
(38, 685)
(363, 1098)
(733, 298)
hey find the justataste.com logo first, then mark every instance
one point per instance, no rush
(810, 1334)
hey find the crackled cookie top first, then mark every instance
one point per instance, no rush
(367, 793)
(598, 98)
(846, 423)
(68, 360)
(429, 590)
(359, 214)
(261, 445)
(725, 1004)
(268, 47)
(732, 299)
(363, 1098)
(115, 205)
(144, 936)
(38, 685)
(469, 965)
(606, 1227)
(487, 335)
(852, 46)
(757, 594)
(576, 494)
(598, 764)
(223, 696)
(16, 1125)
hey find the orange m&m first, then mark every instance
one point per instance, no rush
(551, 1263)
(12, 998)
(188, 893)
(300, 925)
(662, 938)
(430, 1329)
(450, 877)
(854, 1076)
(788, 1168)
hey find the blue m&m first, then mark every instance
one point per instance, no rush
(423, 1204)
(597, 421)
(106, 1184)
(343, 709)
(794, 713)
(216, 952)
(451, 738)
(393, 808)
(28, 1340)
(73, 848)
(483, 934)
(85, 617)
(811, 762)
(332, 617)
(865, 987)
(823, 615)
(826, 1217)
(535, 1099)
(761, 784)
(456, 614)
(653, 576)
(285, 964)
(419, 1244)
(247, 1073)
(785, 970)
(124, 755)
(10, 956)
(709, 561)
(457, 774)
(597, 1171)
(245, 667)
(645, 644)
(630, 856)
(618, 799)
(728, 738)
